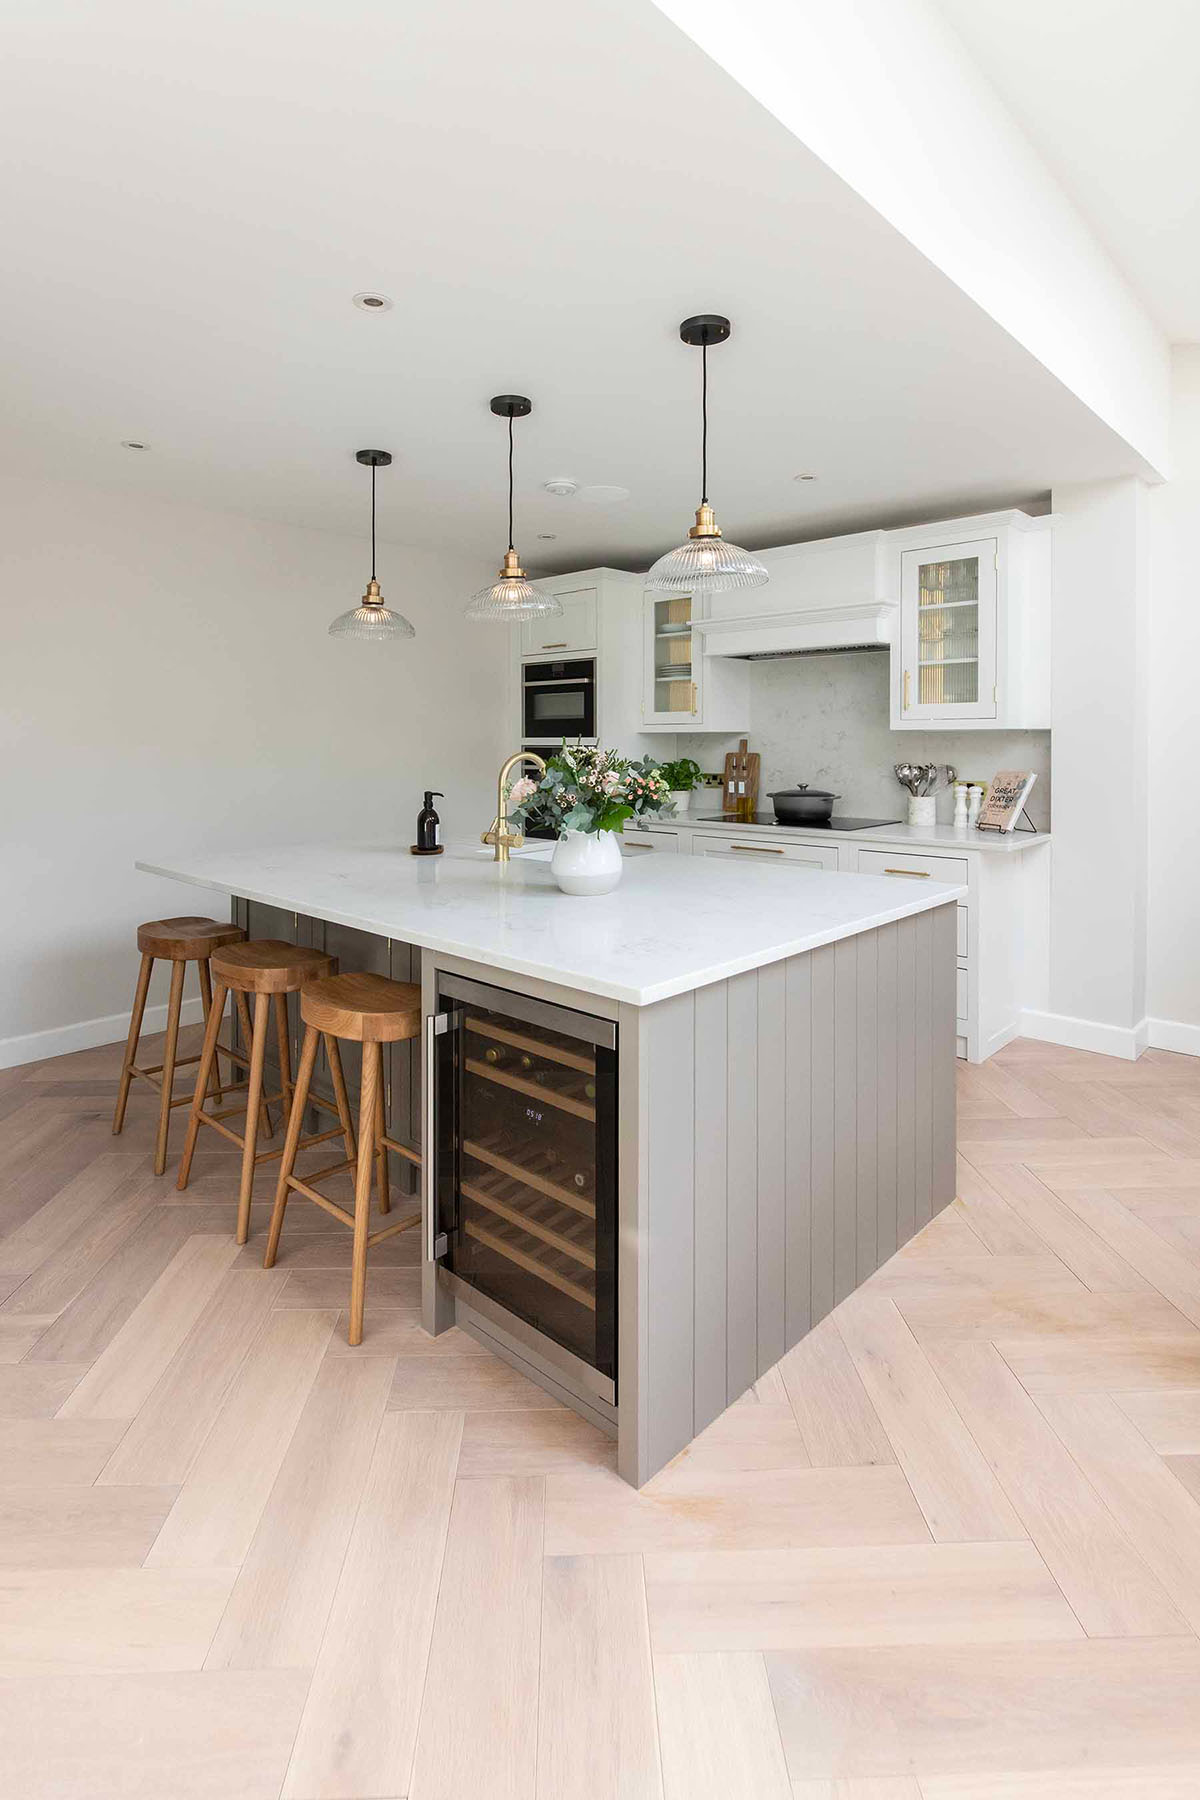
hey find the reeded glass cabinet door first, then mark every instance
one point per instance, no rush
(672, 677)
(948, 631)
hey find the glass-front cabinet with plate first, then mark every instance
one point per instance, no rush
(682, 690)
(948, 632)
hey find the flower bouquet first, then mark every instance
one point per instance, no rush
(588, 794)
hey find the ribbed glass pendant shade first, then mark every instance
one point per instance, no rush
(372, 622)
(512, 596)
(706, 566)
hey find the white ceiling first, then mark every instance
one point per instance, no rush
(193, 194)
(1109, 93)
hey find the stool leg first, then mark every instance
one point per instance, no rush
(258, 1057)
(135, 1032)
(178, 970)
(339, 1093)
(367, 1107)
(248, 1039)
(215, 1088)
(308, 1056)
(285, 1051)
(208, 1057)
(381, 1155)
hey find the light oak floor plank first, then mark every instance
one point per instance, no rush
(1046, 1365)
(717, 1729)
(956, 1490)
(1085, 1252)
(1141, 1783)
(597, 1727)
(277, 1611)
(765, 1436)
(867, 1787)
(1153, 1508)
(1059, 1318)
(462, 1383)
(215, 1736)
(124, 1375)
(483, 1661)
(1168, 1420)
(169, 1429)
(19, 1334)
(840, 1427)
(37, 1390)
(216, 1515)
(79, 1527)
(359, 1727)
(593, 1512)
(52, 1620)
(1106, 1581)
(1028, 1707)
(42, 1453)
(531, 1443)
(899, 1594)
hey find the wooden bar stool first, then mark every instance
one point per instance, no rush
(370, 1010)
(179, 942)
(269, 970)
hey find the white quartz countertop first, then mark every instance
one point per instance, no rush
(949, 840)
(673, 924)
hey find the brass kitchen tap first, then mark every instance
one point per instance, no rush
(496, 834)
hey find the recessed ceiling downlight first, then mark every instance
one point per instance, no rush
(373, 302)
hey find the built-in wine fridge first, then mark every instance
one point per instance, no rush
(525, 1173)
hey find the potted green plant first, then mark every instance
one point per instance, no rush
(589, 793)
(682, 777)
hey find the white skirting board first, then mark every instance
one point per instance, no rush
(61, 1040)
(1124, 1041)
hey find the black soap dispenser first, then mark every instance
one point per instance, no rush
(427, 826)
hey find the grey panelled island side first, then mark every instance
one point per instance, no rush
(665, 1130)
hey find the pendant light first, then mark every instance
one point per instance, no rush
(372, 621)
(512, 595)
(706, 564)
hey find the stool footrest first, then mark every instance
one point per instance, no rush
(388, 1231)
(414, 1156)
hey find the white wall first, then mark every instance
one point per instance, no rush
(1173, 976)
(1096, 987)
(825, 720)
(166, 682)
(884, 92)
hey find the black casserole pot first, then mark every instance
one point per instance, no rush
(803, 805)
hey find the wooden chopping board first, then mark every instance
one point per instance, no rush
(740, 790)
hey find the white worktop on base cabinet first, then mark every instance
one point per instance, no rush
(1002, 919)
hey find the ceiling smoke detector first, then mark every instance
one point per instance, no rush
(563, 487)
(373, 302)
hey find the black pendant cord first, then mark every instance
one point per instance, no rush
(510, 481)
(373, 472)
(704, 428)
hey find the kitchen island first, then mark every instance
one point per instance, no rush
(780, 1057)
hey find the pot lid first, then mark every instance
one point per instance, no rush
(803, 792)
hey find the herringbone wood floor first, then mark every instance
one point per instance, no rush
(949, 1549)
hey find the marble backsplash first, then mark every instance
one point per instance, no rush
(824, 720)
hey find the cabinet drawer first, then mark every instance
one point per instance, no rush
(639, 842)
(905, 862)
(749, 849)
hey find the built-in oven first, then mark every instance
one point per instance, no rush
(524, 1135)
(558, 700)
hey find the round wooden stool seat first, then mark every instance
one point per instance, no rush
(368, 1009)
(186, 940)
(269, 966)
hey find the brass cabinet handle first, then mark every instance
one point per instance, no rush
(913, 874)
(757, 849)
(554, 646)
(906, 682)
(629, 846)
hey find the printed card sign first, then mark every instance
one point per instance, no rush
(1006, 796)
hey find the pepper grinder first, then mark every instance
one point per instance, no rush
(961, 792)
(974, 802)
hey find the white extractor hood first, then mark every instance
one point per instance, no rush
(833, 594)
(803, 633)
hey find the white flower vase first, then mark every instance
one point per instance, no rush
(680, 800)
(587, 862)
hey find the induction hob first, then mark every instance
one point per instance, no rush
(841, 823)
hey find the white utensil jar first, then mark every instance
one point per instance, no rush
(922, 810)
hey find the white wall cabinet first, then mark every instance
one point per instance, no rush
(572, 634)
(972, 648)
(683, 690)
